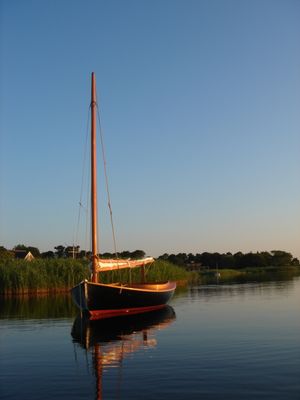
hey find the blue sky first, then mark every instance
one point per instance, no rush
(200, 109)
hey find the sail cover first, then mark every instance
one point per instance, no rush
(113, 264)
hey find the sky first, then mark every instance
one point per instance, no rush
(199, 105)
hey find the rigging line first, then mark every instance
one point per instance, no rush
(147, 268)
(88, 221)
(106, 182)
(82, 177)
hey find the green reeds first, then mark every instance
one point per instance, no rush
(40, 275)
(157, 272)
(18, 276)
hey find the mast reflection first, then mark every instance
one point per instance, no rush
(111, 340)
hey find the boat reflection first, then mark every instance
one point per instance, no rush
(111, 340)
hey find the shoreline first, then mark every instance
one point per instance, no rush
(41, 277)
(210, 276)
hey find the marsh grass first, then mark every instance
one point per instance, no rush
(248, 274)
(19, 276)
(37, 276)
(159, 271)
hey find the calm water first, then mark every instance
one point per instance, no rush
(238, 341)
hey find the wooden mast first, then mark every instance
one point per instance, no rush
(94, 180)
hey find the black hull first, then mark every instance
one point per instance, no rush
(103, 301)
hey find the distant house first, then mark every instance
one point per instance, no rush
(193, 266)
(24, 255)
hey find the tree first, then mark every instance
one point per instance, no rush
(125, 254)
(226, 261)
(267, 258)
(137, 254)
(71, 251)
(251, 260)
(237, 260)
(281, 258)
(295, 262)
(48, 254)
(83, 254)
(33, 250)
(107, 255)
(191, 258)
(165, 257)
(60, 251)
(211, 260)
(5, 254)
(178, 259)
(21, 247)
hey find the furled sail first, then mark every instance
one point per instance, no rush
(113, 264)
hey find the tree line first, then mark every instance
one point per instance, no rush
(189, 261)
(61, 251)
(274, 258)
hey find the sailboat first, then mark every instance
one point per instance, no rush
(102, 300)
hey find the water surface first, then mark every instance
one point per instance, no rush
(233, 341)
